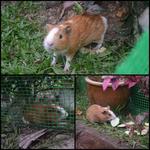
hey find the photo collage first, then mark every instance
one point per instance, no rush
(74, 74)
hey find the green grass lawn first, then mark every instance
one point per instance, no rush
(116, 133)
(22, 49)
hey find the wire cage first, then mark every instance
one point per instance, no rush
(139, 103)
(39, 101)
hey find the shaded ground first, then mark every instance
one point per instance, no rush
(53, 139)
(88, 138)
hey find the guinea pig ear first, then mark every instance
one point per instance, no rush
(108, 107)
(67, 29)
(49, 27)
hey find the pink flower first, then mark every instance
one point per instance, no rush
(114, 81)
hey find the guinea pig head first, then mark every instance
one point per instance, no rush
(107, 114)
(57, 37)
(56, 113)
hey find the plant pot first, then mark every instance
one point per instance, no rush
(115, 99)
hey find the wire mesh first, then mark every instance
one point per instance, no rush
(138, 102)
(41, 101)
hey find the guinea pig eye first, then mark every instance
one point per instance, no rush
(50, 110)
(60, 36)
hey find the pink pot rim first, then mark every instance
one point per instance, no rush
(121, 83)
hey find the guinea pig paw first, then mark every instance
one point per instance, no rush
(66, 69)
(53, 64)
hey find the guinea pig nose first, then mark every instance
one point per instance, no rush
(50, 44)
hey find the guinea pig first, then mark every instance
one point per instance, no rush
(97, 113)
(68, 37)
(43, 113)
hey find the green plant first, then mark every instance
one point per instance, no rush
(78, 8)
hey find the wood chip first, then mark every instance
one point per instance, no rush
(130, 123)
(135, 131)
(121, 125)
(79, 112)
(147, 124)
(101, 50)
(25, 141)
(145, 131)
(127, 132)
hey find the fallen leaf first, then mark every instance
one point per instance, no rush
(130, 123)
(101, 50)
(66, 5)
(28, 139)
(145, 130)
(79, 112)
(122, 11)
(135, 131)
(94, 9)
(147, 124)
(127, 132)
(121, 125)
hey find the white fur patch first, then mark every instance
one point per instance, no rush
(64, 114)
(105, 23)
(113, 116)
(50, 38)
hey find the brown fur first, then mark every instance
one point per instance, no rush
(77, 32)
(97, 113)
(40, 113)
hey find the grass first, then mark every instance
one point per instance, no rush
(78, 8)
(116, 133)
(9, 137)
(22, 49)
(21, 40)
(10, 141)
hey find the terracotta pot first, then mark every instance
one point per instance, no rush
(114, 99)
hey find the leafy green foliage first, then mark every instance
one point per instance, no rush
(78, 8)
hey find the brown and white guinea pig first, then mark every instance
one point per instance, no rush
(97, 113)
(43, 113)
(80, 30)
